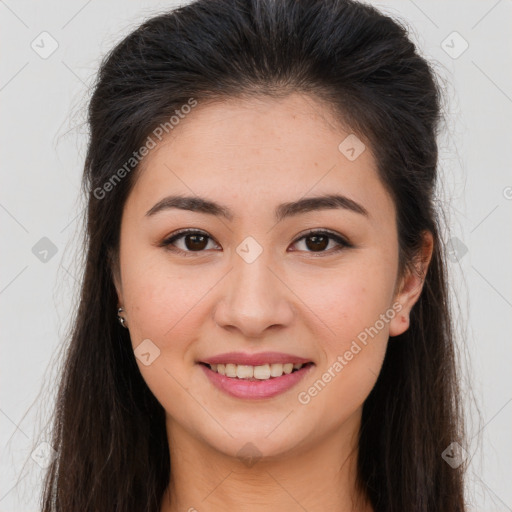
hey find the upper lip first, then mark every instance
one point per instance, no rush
(255, 359)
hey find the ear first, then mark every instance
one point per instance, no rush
(113, 261)
(411, 286)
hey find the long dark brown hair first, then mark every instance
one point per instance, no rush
(108, 428)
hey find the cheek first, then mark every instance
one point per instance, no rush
(352, 314)
(349, 300)
(153, 289)
(160, 302)
(167, 309)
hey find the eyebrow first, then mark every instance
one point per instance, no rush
(305, 205)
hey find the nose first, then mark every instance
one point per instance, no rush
(254, 297)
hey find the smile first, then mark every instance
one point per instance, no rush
(261, 372)
(255, 382)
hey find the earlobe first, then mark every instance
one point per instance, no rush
(399, 324)
(412, 286)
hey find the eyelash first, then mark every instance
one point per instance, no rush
(343, 243)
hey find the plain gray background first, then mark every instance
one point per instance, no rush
(42, 101)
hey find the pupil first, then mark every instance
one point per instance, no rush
(194, 239)
(316, 244)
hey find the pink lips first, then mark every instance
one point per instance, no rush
(254, 389)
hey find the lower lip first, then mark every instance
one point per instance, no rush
(248, 389)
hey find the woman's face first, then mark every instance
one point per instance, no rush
(256, 280)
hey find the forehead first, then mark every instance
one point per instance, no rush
(253, 154)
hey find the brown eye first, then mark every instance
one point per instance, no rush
(187, 241)
(318, 242)
(195, 242)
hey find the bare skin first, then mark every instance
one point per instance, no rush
(295, 297)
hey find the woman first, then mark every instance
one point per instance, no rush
(264, 320)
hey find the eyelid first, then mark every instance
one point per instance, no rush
(321, 231)
(186, 231)
(166, 243)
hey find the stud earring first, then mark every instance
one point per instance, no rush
(121, 319)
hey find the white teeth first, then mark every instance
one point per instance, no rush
(230, 370)
(244, 372)
(276, 370)
(261, 372)
(288, 368)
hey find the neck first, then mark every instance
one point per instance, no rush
(317, 476)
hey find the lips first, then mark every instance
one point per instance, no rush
(255, 388)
